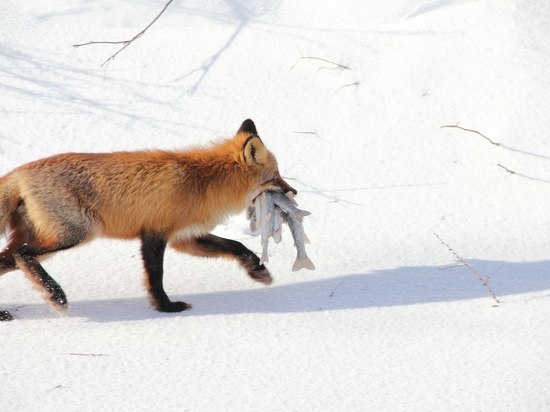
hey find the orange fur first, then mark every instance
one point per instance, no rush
(178, 194)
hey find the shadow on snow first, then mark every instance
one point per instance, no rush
(383, 288)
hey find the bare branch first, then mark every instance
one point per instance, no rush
(126, 43)
(473, 131)
(484, 281)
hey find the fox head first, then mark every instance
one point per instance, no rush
(259, 161)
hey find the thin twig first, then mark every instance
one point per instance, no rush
(340, 66)
(56, 387)
(347, 85)
(452, 267)
(313, 133)
(513, 172)
(484, 281)
(126, 43)
(306, 132)
(472, 131)
(100, 42)
(505, 168)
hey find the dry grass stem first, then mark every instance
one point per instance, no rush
(336, 65)
(472, 131)
(484, 280)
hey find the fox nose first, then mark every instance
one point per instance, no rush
(280, 182)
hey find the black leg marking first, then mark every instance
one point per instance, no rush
(215, 246)
(26, 261)
(152, 252)
(5, 316)
(7, 263)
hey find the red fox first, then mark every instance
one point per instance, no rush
(173, 198)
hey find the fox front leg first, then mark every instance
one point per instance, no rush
(152, 252)
(214, 246)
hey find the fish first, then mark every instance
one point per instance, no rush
(251, 216)
(264, 212)
(294, 218)
(268, 213)
(277, 229)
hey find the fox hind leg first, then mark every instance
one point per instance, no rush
(152, 252)
(19, 254)
(7, 264)
(26, 260)
(25, 249)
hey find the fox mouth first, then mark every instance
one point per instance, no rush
(279, 184)
(289, 194)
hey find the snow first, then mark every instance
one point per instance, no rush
(384, 323)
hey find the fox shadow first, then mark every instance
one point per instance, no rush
(401, 286)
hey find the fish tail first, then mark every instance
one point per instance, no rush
(303, 262)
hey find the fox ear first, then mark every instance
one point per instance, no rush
(254, 151)
(249, 127)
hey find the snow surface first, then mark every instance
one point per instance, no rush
(383, 324)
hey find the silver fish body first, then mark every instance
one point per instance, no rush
(277, 227)
(268, 213)
(294, 218)
(264, 214)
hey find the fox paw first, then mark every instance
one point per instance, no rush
(58, 301)
(5, 316)
(172, 307)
